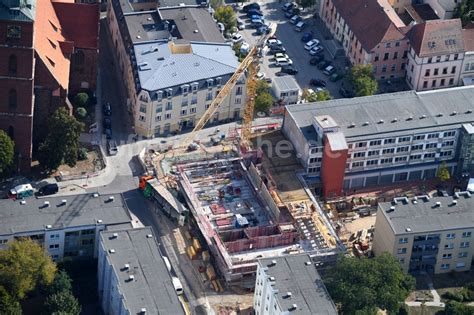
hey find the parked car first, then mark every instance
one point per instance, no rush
(107, 109)
(260, 75)
(329, 70)
(237, 38)
(323, 64)
(264, 29)
(288, 6)
(335, 77)
(240, 25)
(295, 19)
(251, 6)
(289, 69)
(276, 49)
(256, 23)
(281, 55)
(289, 13)
(317, 83)
(112, 148)
(316, 50)
(311, 44)
(346, 93)
(274, 42)
(244, 48)
(20, 192)
(280, 62)
(48, 189)
(316, 59)
(254, 12)
(306, 37)
(300, 26)
(107, 122)
(256, 17)
(221, 27)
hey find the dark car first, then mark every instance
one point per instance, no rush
(317, 83)
(323, 64)
(251, 6)
(317, 59)
(107, 122)
(289, 70)
(263, 30)
(254, 12)
(277, 49)
(48, 189)
(289, 14)
(346, 93)
(107, 109)
(306, 37)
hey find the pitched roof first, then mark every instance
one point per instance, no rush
(436, 37)
(468, 38)
(80, 22)
(383, 24)
(48, 35)
(18, 10)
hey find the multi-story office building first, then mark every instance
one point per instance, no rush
(174, 62)
(436, 54)
(467, 69)
(132, 275)
(350, 143)
(427, 234)
(378, 40)
(66, 226)
(290, 284)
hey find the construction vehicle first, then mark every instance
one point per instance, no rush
(249, 63)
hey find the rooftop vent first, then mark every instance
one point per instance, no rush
(138, 37)
(126, 267)
(288, 294)
(160, 58)
(307, 263)
(394, 120)
(455, 202)
(365, 124)
(415, 202)
(196, 31)
(438, 204)
(352, 125)
(64, 201)
(272, 278)
(408, 229)
(422, 116)
(469, 111)
(112, 251)
(131, 277)
(274, 262)
(454, 113)
(23, 202)
(46, 204)
(95, 195)
(149, 236)
(381, 121)
(391, 209)
(49, 226)
(115, 235)
(293, 307)
(111, 198)
(410, 118)
(99, 221)
(439, 115)
(149, 19)
(143, 311)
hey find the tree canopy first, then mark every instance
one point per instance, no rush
(263, 102)
(81, 99)
(8, 304)
(443, 172)
(62, 282)
(62, 143)
(7, 151)
(24, 266)
(306, 3)
(363, 285)
(262, 87)
(457, 308)
(226, 16)
(363, 80)
(62, 303)
(465, 11)
(309, 96)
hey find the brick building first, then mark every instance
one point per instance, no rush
(37, 42)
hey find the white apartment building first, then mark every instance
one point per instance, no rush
(286, 90)
(132, 275)
(290, 285)
(436, 54)
(433, 235)
(174, 62)
(467, 70)
(445, 9)
(66, 226)
(387, 138)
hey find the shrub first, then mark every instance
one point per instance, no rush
(82, 154)
(453, 296)
(81, 112)
(81, 99)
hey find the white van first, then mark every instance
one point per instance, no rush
(167, 263)
(280, 62)
(300, 26)
(470, 186)
(177, 285)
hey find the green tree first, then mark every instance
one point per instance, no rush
(81, 112)
(81, 99)
(443, 172)
(306, 3)
(24, 266)
(226, 16)
(216, 4)
(7, 151)
(309, 96)
(62, 143)
(323, 95)
(263, 102)
(465, 12)
(62, 303)
(61, 283)
(363, 285)
(8, 305)
(363, 80)
(456, 308)
(262, 87)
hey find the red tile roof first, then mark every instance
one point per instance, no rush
(80, 22)
(372, 21)
(436, 37)
(468, 37)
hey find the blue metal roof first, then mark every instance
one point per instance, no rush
(158, 68)
(18, 10)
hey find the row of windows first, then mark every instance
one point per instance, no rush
(372, 143)
(436, 71)
(404, 240)
(393, 68)
(414, 147)
(442, 82)
(446, 58)
(460, 255)
(399, 159)
(469, 66)
(458, 265)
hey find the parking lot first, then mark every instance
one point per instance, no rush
(285, 31)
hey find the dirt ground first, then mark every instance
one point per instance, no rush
(92, 164)
(231, 303)
(359, 224)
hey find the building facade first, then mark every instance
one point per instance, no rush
(382, 139)
(436, 54)
(379, 40)
(290, 284)
(173, 68)
(65, 226)
(286, 90)
(467, 69)
(426, 234)
(132, 275)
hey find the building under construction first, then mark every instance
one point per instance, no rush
(242, 219)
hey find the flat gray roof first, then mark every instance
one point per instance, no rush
(152, 287)
(425, 216)
(145, 26)
(79, 210)
(286, 83)
(389, 113)
(18, 10)
(303, 281)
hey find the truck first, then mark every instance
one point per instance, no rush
(21, 191)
